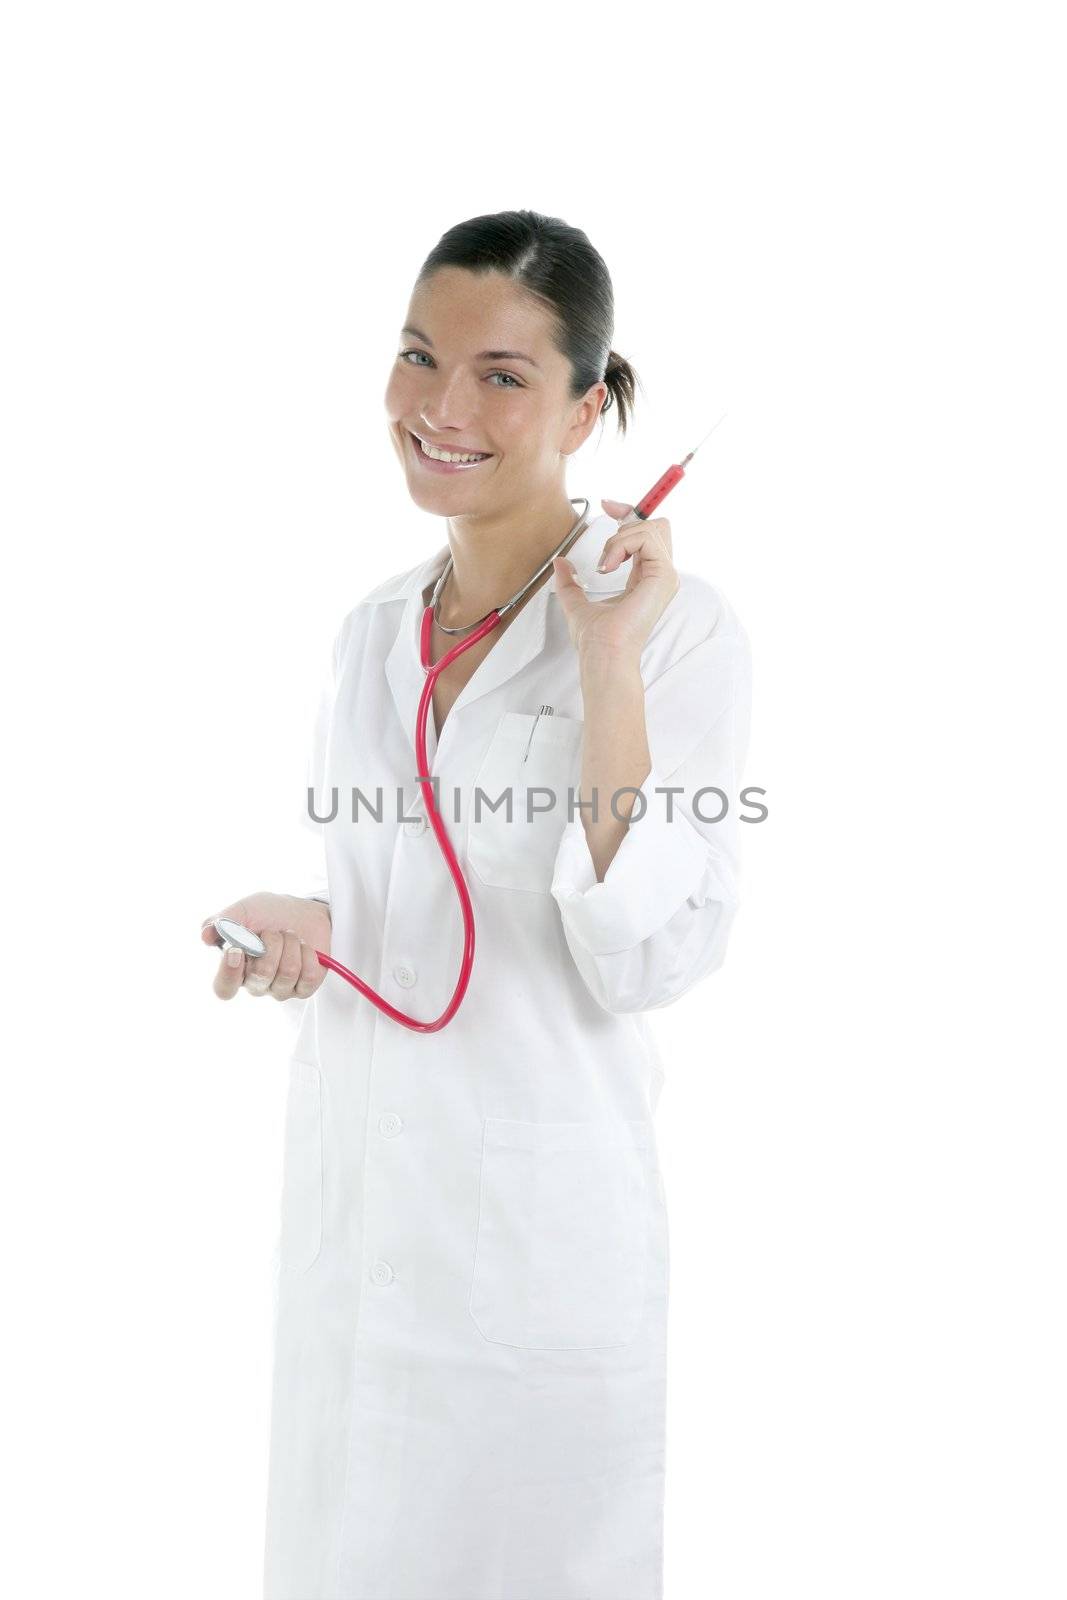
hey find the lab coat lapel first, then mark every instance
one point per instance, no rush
(403, 665)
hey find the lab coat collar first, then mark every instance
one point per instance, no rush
(523, 639)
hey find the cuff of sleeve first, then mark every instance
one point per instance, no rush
(658, 864)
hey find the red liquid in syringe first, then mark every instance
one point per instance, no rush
(663, 486)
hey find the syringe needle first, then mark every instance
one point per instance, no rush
(707, 436)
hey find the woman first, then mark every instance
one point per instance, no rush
(471, 1303)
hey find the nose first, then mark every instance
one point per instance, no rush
(440, 420)
(451, 403)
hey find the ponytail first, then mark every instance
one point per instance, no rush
(621, 380)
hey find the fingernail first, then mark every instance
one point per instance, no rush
(257, 985)
(601, 564)
(234, 958)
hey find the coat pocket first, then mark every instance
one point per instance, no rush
(561, 1253)
(518, 851)
(300, 1238)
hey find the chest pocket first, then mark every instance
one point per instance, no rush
(561, 1255)
(520, 852)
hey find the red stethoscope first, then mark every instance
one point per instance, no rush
(234, 935)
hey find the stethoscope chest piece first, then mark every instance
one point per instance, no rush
(236, 937)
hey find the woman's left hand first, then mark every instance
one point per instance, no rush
(618, 625)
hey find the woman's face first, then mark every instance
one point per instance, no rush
(449, 388)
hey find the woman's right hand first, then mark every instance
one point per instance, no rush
(292, 930)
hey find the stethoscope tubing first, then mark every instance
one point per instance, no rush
(433, 672)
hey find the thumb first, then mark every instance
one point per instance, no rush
(617, 508)
(568, 589)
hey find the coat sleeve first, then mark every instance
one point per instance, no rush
(661, 918)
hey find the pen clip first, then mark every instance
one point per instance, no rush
(545, 711)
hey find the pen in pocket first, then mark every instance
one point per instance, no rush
(545, 711)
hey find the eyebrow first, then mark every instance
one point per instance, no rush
(484, 355)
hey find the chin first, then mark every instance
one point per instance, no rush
(427, 498)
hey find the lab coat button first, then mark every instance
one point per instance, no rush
(405, 976)
(381, 1272)
(389, 1124)
(414, 826)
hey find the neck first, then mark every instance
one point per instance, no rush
(494, 554)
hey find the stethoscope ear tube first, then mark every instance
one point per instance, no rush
(509, 605)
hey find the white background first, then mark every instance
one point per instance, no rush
(844, 227)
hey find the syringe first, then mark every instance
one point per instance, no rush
(662, 488)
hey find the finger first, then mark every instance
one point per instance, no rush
(570, 590)
(651, 539)
(237, 912)
(284, 981)
(230, 975)
(566, 575)
(624, 514)
(261, 969)
(312, 972)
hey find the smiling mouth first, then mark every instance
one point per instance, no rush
(458, 466)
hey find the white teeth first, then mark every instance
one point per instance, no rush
(448, 455)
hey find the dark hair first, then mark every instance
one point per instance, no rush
(558, 266)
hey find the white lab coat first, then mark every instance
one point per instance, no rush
(472, 1265)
